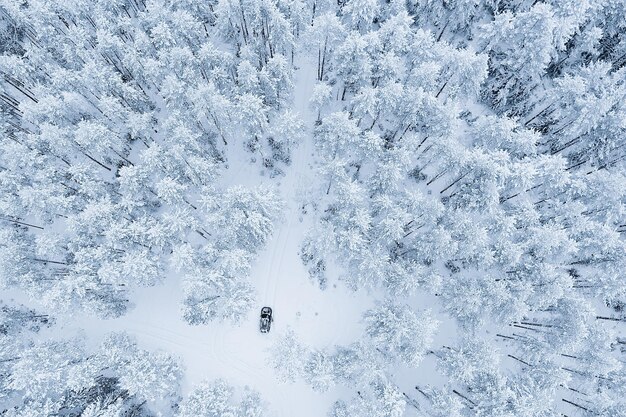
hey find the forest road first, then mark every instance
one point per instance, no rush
(283, 247)
(277, 276)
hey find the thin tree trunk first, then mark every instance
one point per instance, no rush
(464, 397)
(22, 223)
(47, 261)
(575, 405)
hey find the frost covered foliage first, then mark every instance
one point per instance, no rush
(394, 334)
(59, 377)
(469, 154)
(474, 152)
(115, 120)
(399, 333)
(218, 399)
(384, 400)
(241, 220)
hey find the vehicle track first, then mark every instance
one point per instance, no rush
(287, 188)
(230, 355)
(272, 276)
(214, 350)
(160, 331)
(223, 342)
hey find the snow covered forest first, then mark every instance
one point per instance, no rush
(430, 194)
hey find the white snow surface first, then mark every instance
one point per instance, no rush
(240, 353)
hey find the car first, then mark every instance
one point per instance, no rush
(266, 319)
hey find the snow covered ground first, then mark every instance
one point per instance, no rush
(477, 182)
(240, 353)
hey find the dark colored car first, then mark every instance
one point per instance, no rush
(266, 319)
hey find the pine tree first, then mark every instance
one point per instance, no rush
(399, 333)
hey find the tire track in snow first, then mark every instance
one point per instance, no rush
(282, 243)
(327, 318)
(230, 359)
(215, 346)
(223, 343)
(290, 185)
(276, 271)
(271, 280)
(160, 331)
(187, 347)
(253, 373)
(231, 355)
(282, 257)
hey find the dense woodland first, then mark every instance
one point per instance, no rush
(471, 151)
